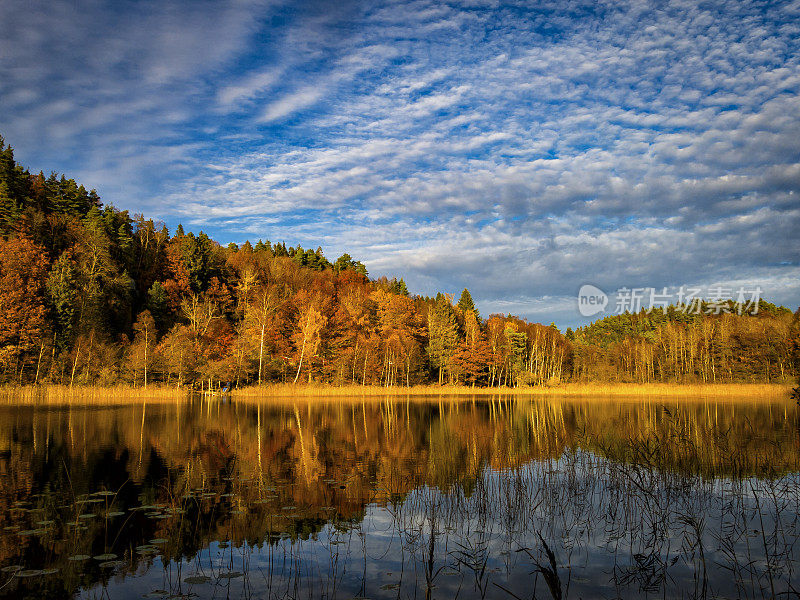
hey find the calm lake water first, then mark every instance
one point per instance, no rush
(541, 498)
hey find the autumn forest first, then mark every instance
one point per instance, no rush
(90, 295)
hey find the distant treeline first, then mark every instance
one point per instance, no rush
(91, 295)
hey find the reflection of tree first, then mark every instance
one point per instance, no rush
(313, 456)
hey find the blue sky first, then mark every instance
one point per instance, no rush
(520, 149)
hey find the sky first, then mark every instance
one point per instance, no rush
(519, 149)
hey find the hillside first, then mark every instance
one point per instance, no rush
(92, 295)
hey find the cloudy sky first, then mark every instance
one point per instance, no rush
(520, 149)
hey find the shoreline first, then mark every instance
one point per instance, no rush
(575, 390)
(54, 395)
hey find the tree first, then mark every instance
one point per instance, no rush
(794, 343)
(63, 298)
(307, 336)
(473, 354)
(401, 332)
(267, 300)
(345, 262)
(517, 344)
(442, 334)
(144, 342)
(398, 287)
(179, 353)
(22, 310)
(200, 312)
(9, 211)
(158, 305)
(466, 304)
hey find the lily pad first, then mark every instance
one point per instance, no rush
(29, 573)
(158, 541)
(230, 575)
(11, 569)
(197, 579)
(29, 532)
(79, 557)
(108, 556)
(110, 564)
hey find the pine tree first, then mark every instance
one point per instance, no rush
(63, 298)
(466, 304)
(9, 211)
(158, 305)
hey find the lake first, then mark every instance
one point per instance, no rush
(477, 497)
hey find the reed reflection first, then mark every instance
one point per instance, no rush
(477, 494)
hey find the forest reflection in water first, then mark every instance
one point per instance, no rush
(483, 497)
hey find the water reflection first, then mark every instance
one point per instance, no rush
(482, 498)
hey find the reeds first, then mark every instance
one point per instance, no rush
(58, 395)
(95, 395)
(599, 390)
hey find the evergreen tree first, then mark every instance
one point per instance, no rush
(466, 304)
(9, 211)
(442, 334)
(346, 263)
(63, 298)
(158, 305)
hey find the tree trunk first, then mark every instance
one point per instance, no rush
(39, 364)
(74, 365)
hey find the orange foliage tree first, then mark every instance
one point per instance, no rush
(23, 269)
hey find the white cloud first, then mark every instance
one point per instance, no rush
(292, 103)
(520, 150)
(249, 87)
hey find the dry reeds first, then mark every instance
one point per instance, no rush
(730, 390)
(66, 395)
(55, 395)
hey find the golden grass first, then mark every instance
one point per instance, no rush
(743, 390)
(604, 390)
(65, 395)
(55, 395)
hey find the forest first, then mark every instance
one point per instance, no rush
(90, 295)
